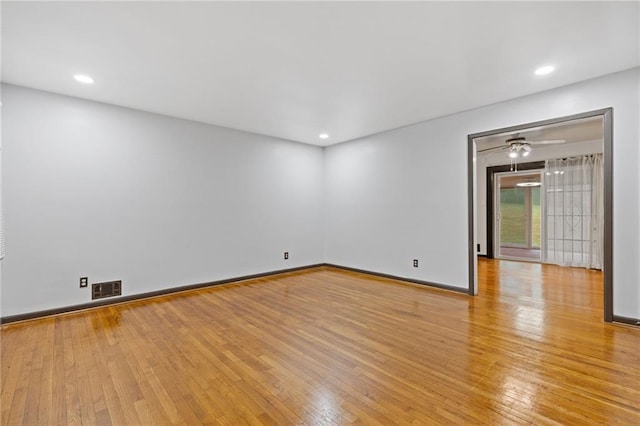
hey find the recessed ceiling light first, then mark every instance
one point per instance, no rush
(521, 184)
(547, 69)
(84, 79)
(323, 135)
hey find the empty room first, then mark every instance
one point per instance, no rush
(319, 213)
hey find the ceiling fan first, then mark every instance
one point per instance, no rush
(519, 147)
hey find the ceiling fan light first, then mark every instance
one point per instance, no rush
(513, 154)
(525, 153)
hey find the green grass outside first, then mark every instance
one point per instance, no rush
(513, 220)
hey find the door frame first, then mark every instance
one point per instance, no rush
(607, 267)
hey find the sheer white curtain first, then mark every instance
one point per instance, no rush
(574, 212)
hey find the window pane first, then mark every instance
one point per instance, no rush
(512, 216)
(535, 217)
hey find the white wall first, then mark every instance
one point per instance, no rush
(394, 197)
(1, 196)
(112, 193)
(489, 159)
(402, 194)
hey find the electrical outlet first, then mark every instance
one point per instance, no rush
(286, 255)
(84, 282)
(415, 263)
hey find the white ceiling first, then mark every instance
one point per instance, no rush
(295, 69)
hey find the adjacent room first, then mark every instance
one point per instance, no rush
(542, 197)
(319, 213)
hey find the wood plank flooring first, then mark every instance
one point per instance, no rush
(330, 347)
(519, 253)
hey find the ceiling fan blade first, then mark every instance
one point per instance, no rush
(492, 149)
(547, 142)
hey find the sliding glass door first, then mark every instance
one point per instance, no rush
(518, 215)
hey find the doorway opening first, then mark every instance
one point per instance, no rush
(514, 223)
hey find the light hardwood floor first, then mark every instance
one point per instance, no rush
(331, 347)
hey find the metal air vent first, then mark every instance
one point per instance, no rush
(106, 289)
